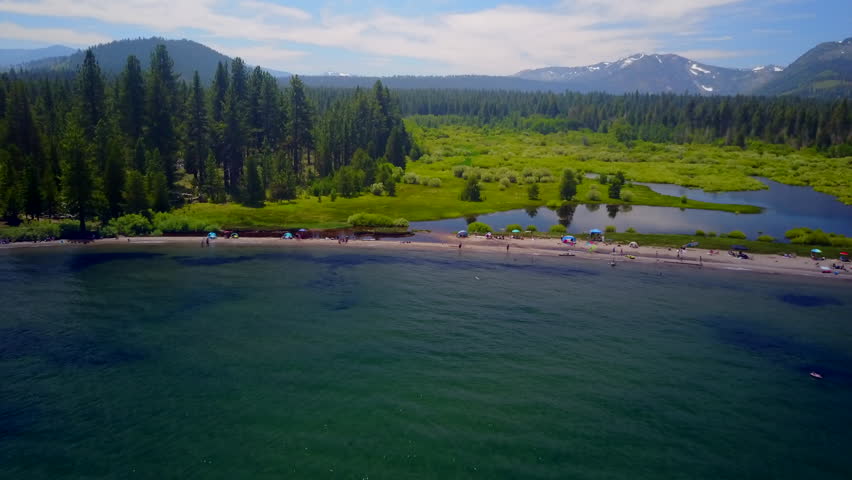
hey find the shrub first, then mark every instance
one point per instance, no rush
(133, 225)
(610, 229)
(435, 182)
(514, 226)
(488, 176)
(478, 227)
(31, 231)
(557, 229)
(797, 232)
(683, 199)
(766, 238)
(700, 233)
(410, 178)
(505, 182)
(554, 204)
(531, 228)
(711, 234)
(375, 220)
(377, 189)
(813, 237)
(737, 234)
(458, 170)
(627, 196)
(471, 191)
(593, 196)
(630, 230)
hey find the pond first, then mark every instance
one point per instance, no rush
(785, 207)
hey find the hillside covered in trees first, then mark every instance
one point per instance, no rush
(97, 147)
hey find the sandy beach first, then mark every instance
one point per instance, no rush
(695, 258)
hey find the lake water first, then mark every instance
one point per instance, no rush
(785, 207)
(179, 362)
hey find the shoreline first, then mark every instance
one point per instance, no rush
(695, 258)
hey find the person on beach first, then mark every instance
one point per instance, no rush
(507, 248)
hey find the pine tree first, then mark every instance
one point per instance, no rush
(49, 190)
(77, 180)
(132, 99)
(32, 192)
(213, 184)
(196, 129)
(395, 151)
(161, 96)
(90, 94)
(114, 178)
(135, 197)
(568, 187)
(156, 182)
(300, 125)
(254, 193)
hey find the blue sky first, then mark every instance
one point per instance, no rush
(385, 37)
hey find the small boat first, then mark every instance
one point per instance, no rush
(816, 375)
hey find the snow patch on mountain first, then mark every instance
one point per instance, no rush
(697, 68)
(706, 89)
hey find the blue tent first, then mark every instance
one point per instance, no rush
(288, 235)
(211, 235)
(462, 233)
(595, 231)
(568, 238)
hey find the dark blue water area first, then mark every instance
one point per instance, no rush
(785, 207)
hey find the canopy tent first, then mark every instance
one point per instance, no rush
(844, 257)
(462, 233)
(211, 235)
(595, 231)
(739, 247)
(633, 245)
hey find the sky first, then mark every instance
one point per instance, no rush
(419, 37)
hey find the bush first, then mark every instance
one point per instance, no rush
(471, 191)
(505, 182)
(766, 238)
(377, 189)
(807, 236)
(557, 229)
(627, 196)
(458, 170)
(131, 225)
(711, 234)
(410, 178)
(683, 199)
(531, 228)
(514, 226)
(737, 234)
(594, 196)
(700, 233)
(31, 231)
(375, 220)
(554, 204)
(610, 229)
(630, 230)
(478, 227)
(435, 182)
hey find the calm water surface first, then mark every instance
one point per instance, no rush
(785, 207)
(178, 362)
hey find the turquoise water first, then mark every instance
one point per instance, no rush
(178, 362)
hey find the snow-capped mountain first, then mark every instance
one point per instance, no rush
(656, 73)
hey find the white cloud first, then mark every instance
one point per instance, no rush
(50, 35)
(710, 54)
(496, 40)
(268, 56)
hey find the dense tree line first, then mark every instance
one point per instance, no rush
(94, 146)
(654, 117)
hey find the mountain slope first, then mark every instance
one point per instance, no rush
(824, 71)
(12, 57)
(655, 73)
(454, 82)
(188, 57)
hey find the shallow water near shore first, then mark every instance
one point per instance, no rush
(182, 362)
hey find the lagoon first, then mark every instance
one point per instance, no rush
(172, 361)
(785, 207)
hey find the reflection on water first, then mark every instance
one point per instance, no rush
(785, 207)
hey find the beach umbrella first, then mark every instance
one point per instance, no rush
(516, 231)
(595, 231)
(568, 238)
(738, 247)
(462, 233)
(211, 235)
(302, 230)
(288, 235)
(816, 250)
